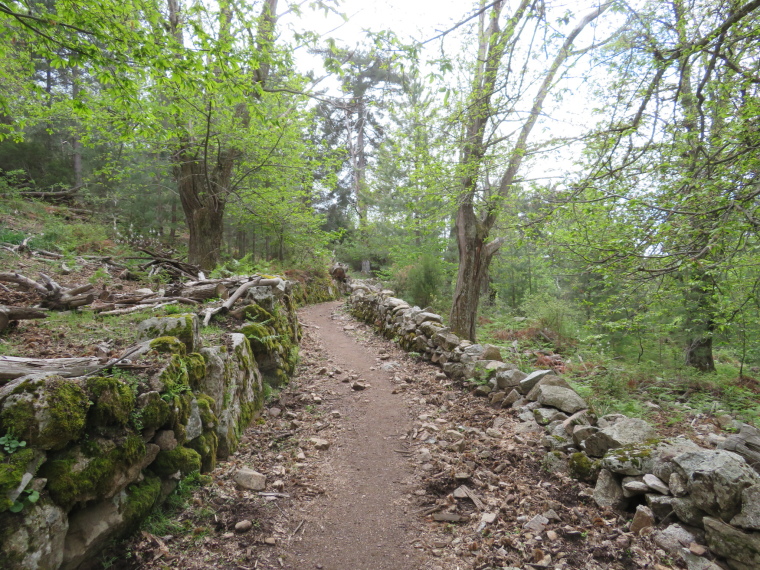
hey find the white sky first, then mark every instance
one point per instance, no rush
(407, 18)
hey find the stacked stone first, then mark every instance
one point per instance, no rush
(102, 451)
(683, 494)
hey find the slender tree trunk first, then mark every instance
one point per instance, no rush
(76, 145)
(473, 229)
(700, 323)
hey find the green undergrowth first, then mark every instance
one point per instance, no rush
(624, 375)
(164, 520)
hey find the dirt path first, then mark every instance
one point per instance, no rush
(360, 523)
(418, 474)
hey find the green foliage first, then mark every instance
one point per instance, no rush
(164, 520)
(11, 443)
(550, 312)
(28, 497)
(425, 281)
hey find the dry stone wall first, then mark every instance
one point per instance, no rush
(86, 459)
(702, 506)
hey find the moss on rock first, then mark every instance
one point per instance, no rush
(113, 401)
(47, 413)
(152, 412)
(174, 376)
(206, 445)
(168, 345)
(86, 472)
(141, 498)
(180, 459)
(196, 369)
(583, 468)
(13, 467)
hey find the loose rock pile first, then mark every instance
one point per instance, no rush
(689, 498)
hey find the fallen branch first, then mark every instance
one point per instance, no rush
(8, 314)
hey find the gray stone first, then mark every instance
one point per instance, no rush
(491, 352)
(557, 438)
(694, 562)
(545, 416)
(425, 317)
(582, 418)
(677, 485)
(655, 484)
(644, 518)
(184, 327)
(511, 398)
(715, 480)
(608, 492)
(505, 379)
(582, 433)
(673, 538)
(609, 420)
(564, 399)
(688, 511)
(243, 526)
(234, 383)
(37, 538)
(320, 444)
(661, 461)
(249, 479)
(634, 486)
(89, 529)
(527, 383)
(555, 462)
(661, 505)
(528, 427)
(194, 426)
(446, 340)
(628, 431)
(548, 380)
(165, 440)
(497, 398)
(749, 517)
(537, 524)
(732, 543)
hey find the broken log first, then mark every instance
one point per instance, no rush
(14, 367)
(10, 313)
(203, 292)
(54, 296)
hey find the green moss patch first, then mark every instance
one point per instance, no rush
(583, 468)
(113, 400)
(141, 498)
(180, 459)
(169, 345)
(47, 413)
(153, 412)
(12, 470)
(206, 445)
(87, 471)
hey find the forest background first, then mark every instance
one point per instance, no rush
(577, 183)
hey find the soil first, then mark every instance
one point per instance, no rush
(381, 496)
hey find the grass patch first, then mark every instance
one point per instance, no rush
(166, 519)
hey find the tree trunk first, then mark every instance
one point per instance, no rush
(473, 229)
(474, 259)
(700, 323)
